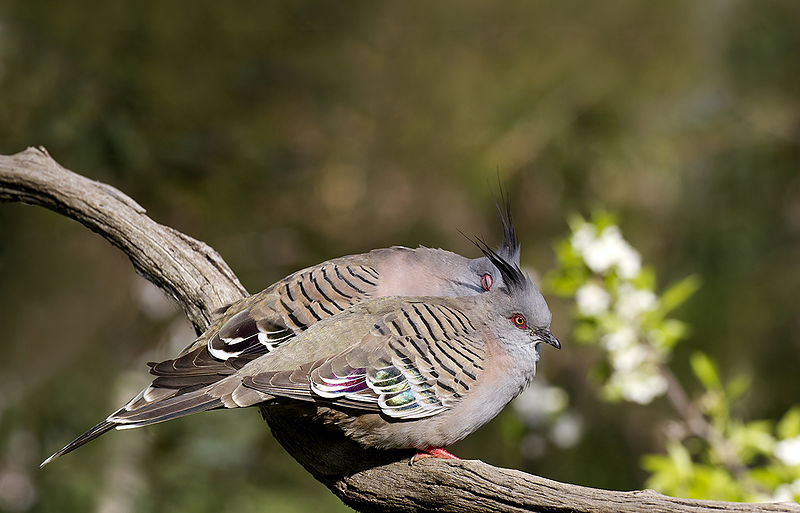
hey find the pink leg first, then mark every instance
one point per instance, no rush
(434, 452)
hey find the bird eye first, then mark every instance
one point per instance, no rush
(486, 281)
(519, 321)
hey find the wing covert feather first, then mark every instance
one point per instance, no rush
(268, 320)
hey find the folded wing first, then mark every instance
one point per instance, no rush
(414, 363)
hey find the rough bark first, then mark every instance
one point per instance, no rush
(200, 281)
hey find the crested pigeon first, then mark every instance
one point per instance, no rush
(255, 327)
(396, 372)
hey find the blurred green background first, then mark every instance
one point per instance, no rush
(286, 133)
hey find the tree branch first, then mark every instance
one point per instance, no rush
(200, 281)
(188, 270)
(699, 426)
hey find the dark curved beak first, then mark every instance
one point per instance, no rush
(546, 336)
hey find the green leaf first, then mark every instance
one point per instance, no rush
(766, 476)
(738, 386)
(669, 332)
(566, 254)
(646, 279)
(664, 476)
(680, 458)
(751, 439)
(715, 482)
(602, 219)
(575, 221)
(677, 293)
(705, 370)
(789, 426)
(563, 283)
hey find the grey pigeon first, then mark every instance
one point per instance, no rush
(397, 372)
(262, 323)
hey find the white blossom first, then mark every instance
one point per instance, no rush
(640, 386)
(786, 492)
(607, 250)
(604, 251)
(633, 358)
(783, 493)
(629, 262)
(592, 299)
(629, 358)
(619, 339)
(583, 237)
(788, 451)
(632, 302)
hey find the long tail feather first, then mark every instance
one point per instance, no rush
(88, 436)
(168, 409)
(174, 407)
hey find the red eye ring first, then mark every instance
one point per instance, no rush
(486, 281)
(519, 321)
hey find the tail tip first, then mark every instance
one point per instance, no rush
(49, 459)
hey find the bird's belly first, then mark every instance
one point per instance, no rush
(441, 430)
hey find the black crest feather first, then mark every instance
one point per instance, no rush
(512, 274)
(510, 247)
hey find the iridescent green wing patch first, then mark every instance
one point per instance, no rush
(423, 362)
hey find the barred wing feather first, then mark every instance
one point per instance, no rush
(292, 305)
(414, 363)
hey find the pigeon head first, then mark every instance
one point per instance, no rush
(520, 302)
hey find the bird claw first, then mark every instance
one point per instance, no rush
(433, 452)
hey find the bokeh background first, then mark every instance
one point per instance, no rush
(286, 133)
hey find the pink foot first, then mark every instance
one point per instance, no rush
(434, 452)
